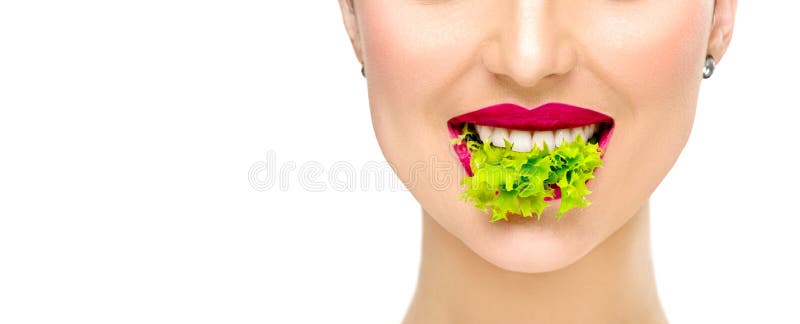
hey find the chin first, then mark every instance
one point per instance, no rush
(528, 245)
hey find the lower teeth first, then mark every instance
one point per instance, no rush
(506, 181)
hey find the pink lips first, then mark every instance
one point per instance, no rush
(549, 116)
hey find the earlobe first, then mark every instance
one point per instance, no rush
(351, 25)
(721, 28)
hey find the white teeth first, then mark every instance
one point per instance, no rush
(562, 135)
(589, 130)
(521, 140)
(540, 138)
(525, 141)
(484, 132)
(498, 136)
(574, 132)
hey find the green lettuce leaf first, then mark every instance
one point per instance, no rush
(505, 181)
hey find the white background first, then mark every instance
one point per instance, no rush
(128, 130)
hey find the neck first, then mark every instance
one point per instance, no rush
(613, 283)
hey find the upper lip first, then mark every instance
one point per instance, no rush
(549, 116)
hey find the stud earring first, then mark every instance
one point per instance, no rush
(362, 72)
(708, 68)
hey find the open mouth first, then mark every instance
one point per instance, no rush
(565, 140)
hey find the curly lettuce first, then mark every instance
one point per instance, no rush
(506, 181)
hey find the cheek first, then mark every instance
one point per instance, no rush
(652, 57)
(395, 55)
(412, 55)
(415, 52)
(653, 63)
(406, 54)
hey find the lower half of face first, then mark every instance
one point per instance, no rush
(639, 62)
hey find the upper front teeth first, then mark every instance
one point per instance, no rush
(484, 132)
(499, 135)
(525, 141)
(521, 140)
(563, 135)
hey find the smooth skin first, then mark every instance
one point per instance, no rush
(638, 61)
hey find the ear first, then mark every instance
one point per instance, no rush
(721, 28)
(351, 25)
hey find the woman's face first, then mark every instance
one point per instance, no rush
(639, 62)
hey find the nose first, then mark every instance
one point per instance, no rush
(529, 43)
